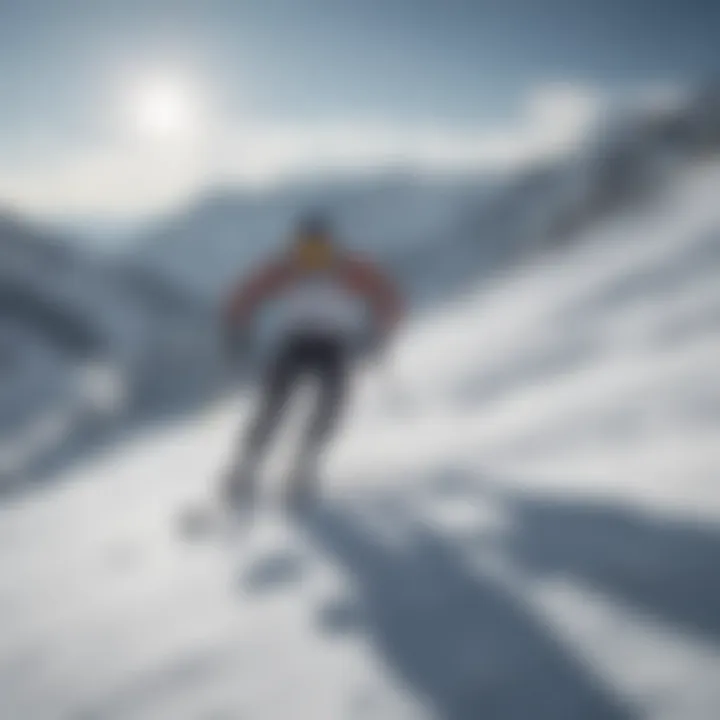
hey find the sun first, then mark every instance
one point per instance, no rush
(164, 108)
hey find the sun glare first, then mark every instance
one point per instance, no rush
(164, 108)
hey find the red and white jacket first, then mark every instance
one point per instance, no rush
(329, 301)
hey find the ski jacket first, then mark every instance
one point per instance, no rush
(326, 301)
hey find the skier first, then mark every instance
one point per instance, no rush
(320, 285)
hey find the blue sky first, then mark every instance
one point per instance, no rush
(281, 71)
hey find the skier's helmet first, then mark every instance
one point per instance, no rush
(314, 246)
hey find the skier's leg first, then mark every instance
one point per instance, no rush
(332, 392)
(275, 391)
(329, 368)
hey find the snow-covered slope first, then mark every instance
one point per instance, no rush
(83, 340)
(522, 522)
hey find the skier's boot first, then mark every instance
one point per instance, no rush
(234, 500)
(238, 489)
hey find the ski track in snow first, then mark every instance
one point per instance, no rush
(522, 522)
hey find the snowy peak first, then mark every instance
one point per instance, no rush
(454, 227)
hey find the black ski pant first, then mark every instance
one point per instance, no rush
(324, 359)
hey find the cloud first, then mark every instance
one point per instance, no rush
(130, 177)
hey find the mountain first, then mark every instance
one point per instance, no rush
(85, 337)
(205, 246)
(438, 232)
(85, 340)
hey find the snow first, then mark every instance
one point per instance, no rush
(522, 521)
(86, 342)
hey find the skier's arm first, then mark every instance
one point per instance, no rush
(245, 299)
(368, 280)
